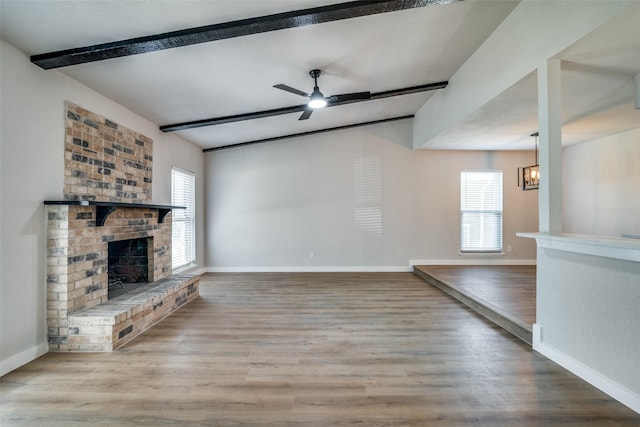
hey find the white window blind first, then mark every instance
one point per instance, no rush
(481, 211)
(183, 238)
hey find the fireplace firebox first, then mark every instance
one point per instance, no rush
(128, 265)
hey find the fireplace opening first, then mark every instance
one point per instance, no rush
(128, 265)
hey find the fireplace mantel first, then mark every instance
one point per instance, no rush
(104, 209)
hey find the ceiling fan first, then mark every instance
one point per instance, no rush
(318, 100)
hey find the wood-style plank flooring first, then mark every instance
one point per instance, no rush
(512, 288)
(374, 349)
(505, 294)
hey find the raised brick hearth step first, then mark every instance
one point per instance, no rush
(108, 326)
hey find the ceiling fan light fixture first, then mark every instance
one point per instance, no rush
(317, 99)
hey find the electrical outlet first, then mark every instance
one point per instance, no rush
(312, 255)
(509, 248)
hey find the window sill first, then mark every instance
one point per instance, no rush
(481, 253)
(184, 268)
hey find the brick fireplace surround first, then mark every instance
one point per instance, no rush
(105, 162)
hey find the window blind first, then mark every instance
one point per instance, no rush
(183, 239)
(481, 211)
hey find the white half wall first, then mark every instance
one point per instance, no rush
(587, 318)
(354, 199)
(601, 182)
(32, 160)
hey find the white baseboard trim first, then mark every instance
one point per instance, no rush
(473, 260)
(536, 335)
(362, 269)
(606, 385)
(22, 358)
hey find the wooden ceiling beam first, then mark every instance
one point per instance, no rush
(313, 132)
(294, 109)
(225, 30)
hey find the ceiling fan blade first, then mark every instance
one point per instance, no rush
(349, 97)
(291, 90)
(306, 114)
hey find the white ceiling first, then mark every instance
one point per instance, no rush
(374, 53)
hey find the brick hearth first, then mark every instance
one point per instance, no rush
(109, 326)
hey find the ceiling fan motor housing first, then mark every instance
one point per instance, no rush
(315, 74)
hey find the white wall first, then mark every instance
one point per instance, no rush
(358, 199)
(32, 156)
(588, 318)
(601, 182)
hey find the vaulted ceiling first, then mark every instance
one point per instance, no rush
(221, 77)
(379, 52)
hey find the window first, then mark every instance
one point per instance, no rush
(183, 228)
(481, 211)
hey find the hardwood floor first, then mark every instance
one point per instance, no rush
(505, 294)
(374, 349)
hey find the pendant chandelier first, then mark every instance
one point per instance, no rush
(529, 176)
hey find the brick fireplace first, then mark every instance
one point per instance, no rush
(107, 179)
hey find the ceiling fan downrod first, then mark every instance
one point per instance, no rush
(316, 99)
